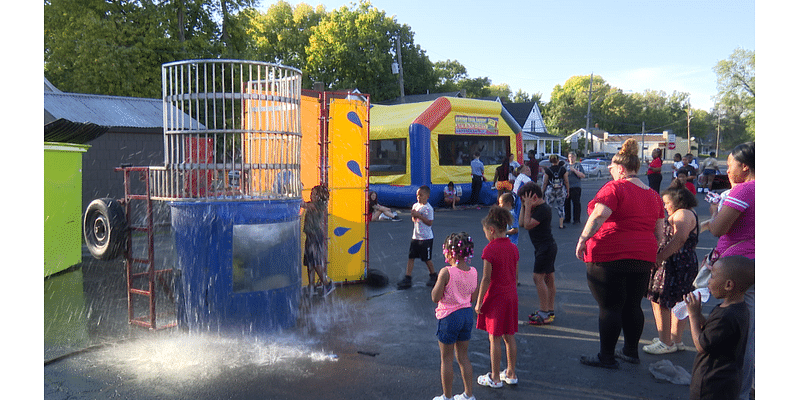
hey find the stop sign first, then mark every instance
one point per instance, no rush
(672, 146)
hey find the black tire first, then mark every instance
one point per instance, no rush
(105, 228)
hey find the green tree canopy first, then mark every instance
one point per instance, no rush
(736, 96)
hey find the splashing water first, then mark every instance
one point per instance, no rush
(182, 358)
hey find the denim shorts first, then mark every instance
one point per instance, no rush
(456, 327)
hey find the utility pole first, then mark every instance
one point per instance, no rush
(589, 115)
(718, 122)
(642, 145)
(400, 68)
(688, 128)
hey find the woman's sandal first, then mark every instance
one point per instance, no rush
(536, 319)
(486, 380)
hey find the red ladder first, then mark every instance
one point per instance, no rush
(143, 269)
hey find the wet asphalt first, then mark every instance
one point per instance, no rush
(361, 342)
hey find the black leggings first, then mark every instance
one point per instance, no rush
(618, 287)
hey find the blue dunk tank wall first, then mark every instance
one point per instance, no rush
(334, 150)
(431, 143)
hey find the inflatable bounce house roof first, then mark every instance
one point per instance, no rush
(432, 143)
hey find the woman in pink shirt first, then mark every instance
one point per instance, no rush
(734, 222)
(619, 245)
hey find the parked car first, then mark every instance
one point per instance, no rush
(594, 167)
(601, 156)
(546, 162)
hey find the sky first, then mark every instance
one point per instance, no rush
(664, 45)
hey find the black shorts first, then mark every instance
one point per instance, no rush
(422, 249)
(545, 258)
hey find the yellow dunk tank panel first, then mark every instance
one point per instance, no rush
(343, 137)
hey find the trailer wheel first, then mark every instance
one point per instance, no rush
(105, 228)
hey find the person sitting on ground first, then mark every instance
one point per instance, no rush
(450, 195)
(379, 212)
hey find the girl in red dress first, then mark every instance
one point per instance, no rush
(497, 304)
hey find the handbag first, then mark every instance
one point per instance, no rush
(704, 273)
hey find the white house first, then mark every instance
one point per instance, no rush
(534, 133)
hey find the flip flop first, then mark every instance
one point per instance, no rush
(486, 380)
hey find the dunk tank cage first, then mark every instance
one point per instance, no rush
(233, 184)
(231, 179)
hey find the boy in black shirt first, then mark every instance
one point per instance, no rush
(721, 338)
(535, 216)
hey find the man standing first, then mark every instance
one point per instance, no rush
(533, 164)
(477, 178)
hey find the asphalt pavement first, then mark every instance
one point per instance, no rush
(360, 342)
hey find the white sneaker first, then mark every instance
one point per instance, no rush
(679, 345)
(659, 348)
(462, 396)
(383, 217)
(442, 398)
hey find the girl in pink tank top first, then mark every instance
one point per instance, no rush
(454, 294)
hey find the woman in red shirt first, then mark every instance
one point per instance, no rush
(619, 244)
(654, 171)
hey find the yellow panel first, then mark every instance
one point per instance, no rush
(309, 159)
(347, 181)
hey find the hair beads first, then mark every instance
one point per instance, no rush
(458, 246)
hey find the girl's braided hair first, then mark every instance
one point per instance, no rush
(458, 246)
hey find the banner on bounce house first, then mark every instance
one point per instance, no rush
(432, 143)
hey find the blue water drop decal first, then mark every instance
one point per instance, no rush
(353, 117)
(353, 166)
(339, 231)
(355, 248)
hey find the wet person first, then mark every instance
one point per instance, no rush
(421, 238)
(721, 339)
(619, 244)
(315, 255)
(454, 293)
(536, 217)
(497, 302)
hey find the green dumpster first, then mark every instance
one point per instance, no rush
(62, 206)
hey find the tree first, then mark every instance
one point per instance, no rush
(355, 48)
(281, 35)
(736, 94)
(448, 74)
(118, 47)
(503, 91)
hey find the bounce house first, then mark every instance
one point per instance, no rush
(432, 143)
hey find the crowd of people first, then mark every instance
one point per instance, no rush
(637, 242)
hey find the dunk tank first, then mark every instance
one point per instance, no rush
(233, 149)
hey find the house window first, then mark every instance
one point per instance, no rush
(458, 149)
(387, 156)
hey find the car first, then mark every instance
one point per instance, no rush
(594, 167)
(600, 156)
(545, 163)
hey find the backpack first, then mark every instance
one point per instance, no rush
(557, 178)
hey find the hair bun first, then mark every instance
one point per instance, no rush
(630, 147)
